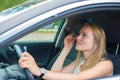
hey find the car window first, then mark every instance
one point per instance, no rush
(44, 34)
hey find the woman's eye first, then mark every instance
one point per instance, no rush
(78, 34)
(84, 35)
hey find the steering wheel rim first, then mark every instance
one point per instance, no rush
(28, 74)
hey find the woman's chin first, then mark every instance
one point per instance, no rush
(78, 48)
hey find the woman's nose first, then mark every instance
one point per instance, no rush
(78, 37)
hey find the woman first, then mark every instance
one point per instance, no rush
(91, 61)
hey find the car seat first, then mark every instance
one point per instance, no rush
(116, 63)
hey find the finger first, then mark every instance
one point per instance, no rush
(25, 64)
(26, 54)
(70, 37)
(22, 65)
(24, 59)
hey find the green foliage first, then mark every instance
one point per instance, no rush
(5, 4)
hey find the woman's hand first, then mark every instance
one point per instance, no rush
(27, 61)
(69, 40)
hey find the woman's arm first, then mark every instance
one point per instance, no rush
(58, 65)
(68, 43)
(69, 68)
(102, 69)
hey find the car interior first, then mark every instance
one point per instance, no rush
(109, 21)
(48, 52)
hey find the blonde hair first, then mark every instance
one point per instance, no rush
(100, 50)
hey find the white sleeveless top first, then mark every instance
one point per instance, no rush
(82, 60)
(77, 68)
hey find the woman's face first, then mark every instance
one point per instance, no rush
(85, 40)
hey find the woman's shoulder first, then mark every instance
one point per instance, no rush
(105, 61)
(105, 65)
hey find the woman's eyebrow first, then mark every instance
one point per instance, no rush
(83, 32)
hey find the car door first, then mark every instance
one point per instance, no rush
(32, 47)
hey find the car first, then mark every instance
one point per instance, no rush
(41, 29)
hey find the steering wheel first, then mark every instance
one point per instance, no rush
(28, 74)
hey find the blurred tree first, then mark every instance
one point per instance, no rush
(5, 4)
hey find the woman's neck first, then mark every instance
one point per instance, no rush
(86, 54)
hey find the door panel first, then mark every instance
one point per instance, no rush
(40, 51)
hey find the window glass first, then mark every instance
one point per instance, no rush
(44, 34)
